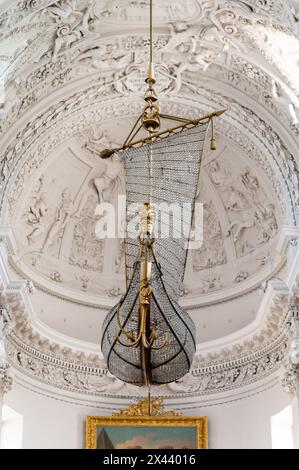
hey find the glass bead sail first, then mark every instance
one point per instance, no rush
(171, 176)
(173, 185)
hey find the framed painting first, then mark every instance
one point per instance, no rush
(129, 430)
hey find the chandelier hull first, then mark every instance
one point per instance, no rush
(171, 354)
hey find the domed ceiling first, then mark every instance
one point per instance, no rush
(73, 74)
(55, 220)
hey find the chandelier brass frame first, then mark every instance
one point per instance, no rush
(146, 302)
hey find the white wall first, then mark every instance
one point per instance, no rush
(55, 423)
(282, 429)
(11, 429)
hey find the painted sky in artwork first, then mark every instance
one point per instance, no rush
(151, 437)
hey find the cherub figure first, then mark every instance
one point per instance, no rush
(37, 212)
(242, 214)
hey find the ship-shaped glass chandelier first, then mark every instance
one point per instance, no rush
(147, 337)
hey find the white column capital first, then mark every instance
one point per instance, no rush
(5, 380)
(5, 325)
(5, 319)
(290, 377)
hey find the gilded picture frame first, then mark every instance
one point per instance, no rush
(144, 426)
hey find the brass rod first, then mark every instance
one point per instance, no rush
(150, 73)
(174, 118)
(193, 122)
(144, 325)
(132, 130)
(134, 135)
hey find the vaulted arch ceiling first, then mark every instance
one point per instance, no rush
(72, 70)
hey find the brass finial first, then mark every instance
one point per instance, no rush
(106, 153)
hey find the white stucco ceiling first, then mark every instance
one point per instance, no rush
(71, 70)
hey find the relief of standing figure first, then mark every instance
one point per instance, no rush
(62, 216)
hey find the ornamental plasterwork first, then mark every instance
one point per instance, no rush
(66, 108)
(74, 370)
(5, 380)
(259, 86)
(39, 227)
(62, 107)
(29, 336)
(212, 252)
(53, 226)
(72, 28)
(5, 370)
(290, 372)
(200, 381)
(244, 76)
(87, 15)
(220, 24)
(279, 49)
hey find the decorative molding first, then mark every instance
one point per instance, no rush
(38, 151)
(72, 370)
(6, 380)
(290, 373)
(67, 83)
(26, 139)
(5, 370)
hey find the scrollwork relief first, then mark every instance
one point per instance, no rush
(252, 219)
(201, 381)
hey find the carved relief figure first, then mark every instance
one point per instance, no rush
(88, 15)
(252, 186)
(183, 42)
(96, 143)
(110, 177)
(212, 251)
(108, 63)
(266, 223)
(65, 37)
(4, 169)
(264, 213)
(296, 19)
(220, 175)
(37, 212)
(211, 283)
(109, 180)
(76, 24)
(248, 209)
(87, 249)
(181, 39)
(241, 213)
(66, 11)
(63, 213)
